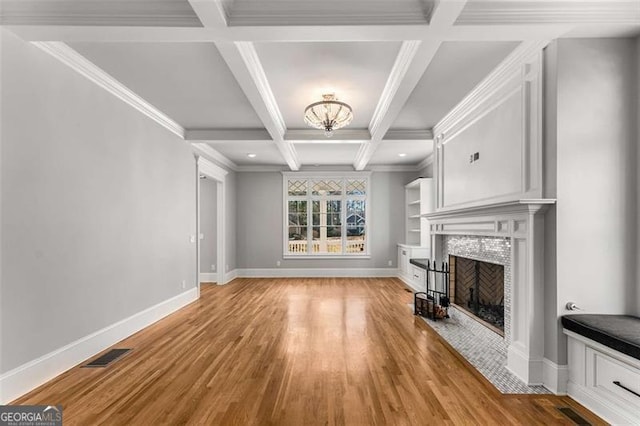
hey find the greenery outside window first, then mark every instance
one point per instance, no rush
(326, 215)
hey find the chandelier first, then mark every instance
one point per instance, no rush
(329, 114)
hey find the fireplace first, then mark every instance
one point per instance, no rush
(477, 287)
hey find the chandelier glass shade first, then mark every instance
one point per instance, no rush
(329, 114)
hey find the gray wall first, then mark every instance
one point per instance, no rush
(231, 207)
(426, 172)
(260, 212)
(596, 176)
(98, 204)
(208, 222)
(637, 310)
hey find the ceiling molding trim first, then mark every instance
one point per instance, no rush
(109, 13)
(402, 64)
(210, 12)
(426, 162)
(412, 61)
(88, 69)
(318, 135)
(393, 168)
(497, 79)
(408, 134)
(262, 168)
(254, 66)
(213, 155)
(242, 59)
(223, 135)
(543, 12)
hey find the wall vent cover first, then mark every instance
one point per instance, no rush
(577, 419)
(107, 358)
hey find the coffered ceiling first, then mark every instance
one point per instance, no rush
(233, 77)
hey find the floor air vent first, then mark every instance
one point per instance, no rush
(107, 358)
(577, 419)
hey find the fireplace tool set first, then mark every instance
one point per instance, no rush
(433, 303)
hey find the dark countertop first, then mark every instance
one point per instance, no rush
(619, 332)
(420, 263)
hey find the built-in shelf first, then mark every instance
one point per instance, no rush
(418, 201)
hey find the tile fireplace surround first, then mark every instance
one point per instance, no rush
(510, 234)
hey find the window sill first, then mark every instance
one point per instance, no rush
(327, 256)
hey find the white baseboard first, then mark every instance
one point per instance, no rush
(230, 276)
(527, 369)
(318, 272)
(555, 377)
(27, 377)
(208, 277)
(612, 413)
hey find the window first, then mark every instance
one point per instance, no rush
(326, 215)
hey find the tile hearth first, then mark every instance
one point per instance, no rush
(484, 349)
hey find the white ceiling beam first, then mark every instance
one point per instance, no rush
(242, 59)
(371, 33)
(227, 135)
(412, 61)
(210, 12)
(318, 135)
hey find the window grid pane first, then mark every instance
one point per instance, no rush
(338, 220)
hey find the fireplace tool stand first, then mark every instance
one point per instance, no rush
(433, 303)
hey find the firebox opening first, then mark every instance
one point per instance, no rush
(477, 287)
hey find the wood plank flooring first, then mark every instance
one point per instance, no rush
(321, 351)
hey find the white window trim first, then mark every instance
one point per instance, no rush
(323, 175)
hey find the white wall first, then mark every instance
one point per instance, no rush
(596, 176)
(637, 310)
(208, 222)
(260, 212)
(98, 204)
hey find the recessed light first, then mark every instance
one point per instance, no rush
(402, 154)
(251, 155)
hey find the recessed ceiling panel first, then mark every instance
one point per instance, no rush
(148, 13)
(454, 71)
(190, 82)
(391, 152)
(266, 153)
(328, 12)
(299, 73)
(327, 154)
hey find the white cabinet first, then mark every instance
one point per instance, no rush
(419, 200)
(604, 380)
(412, 275)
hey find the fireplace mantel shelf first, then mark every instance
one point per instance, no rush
(517, 206)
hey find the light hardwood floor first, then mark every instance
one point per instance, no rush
(293, 352)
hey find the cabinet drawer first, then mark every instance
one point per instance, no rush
(611, 377)
(417, 275)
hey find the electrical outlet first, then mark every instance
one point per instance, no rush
(192, 238)
(184, 284)
(213, 268)
(278, 263)
(390, 263)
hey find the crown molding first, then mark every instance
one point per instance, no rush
(215, 156)
(254, 66)
(213, 135)
(210, 12)
(408, 135)
(492, 84)
(426, 162)
(402, 64)
(328, 12)
(104, 13)
(81, 65)
(548, 12)
(242, 59)
(262, 168)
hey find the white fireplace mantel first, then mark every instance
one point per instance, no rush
(523, 222)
